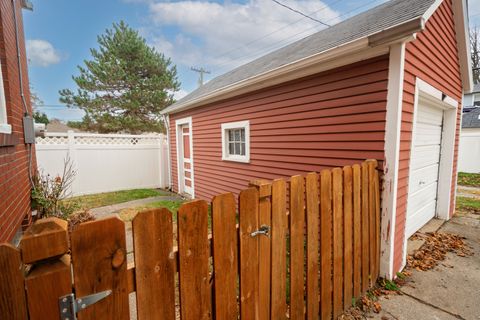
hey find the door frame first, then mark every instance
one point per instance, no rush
(427, 92)
(180, 166)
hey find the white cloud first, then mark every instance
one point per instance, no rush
(42, 53)
(214, 34)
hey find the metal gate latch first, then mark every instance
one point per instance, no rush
(69, 306)
(265, 230)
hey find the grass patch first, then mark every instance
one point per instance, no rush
(469, 179)
(470, 205)
(109, 198)
(129, 213)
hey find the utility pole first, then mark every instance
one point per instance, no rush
(201, 71)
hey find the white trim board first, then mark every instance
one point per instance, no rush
(392, 155)
(178, 123)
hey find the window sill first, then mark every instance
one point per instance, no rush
(9, 140)
(239, 159)
(5, 128)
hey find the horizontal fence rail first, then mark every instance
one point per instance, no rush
(302, 248)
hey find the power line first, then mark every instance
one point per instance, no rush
(299, 12)
(201, 71)
(273, 32)
(284, 42)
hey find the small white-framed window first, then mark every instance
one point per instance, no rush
(4, 126)
(236, 141)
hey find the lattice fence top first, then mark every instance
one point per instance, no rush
(100, 139)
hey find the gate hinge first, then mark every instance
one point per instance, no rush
(69, 305)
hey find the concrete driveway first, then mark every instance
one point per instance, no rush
(449, 291)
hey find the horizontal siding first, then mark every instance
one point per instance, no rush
(335, 118)
(433, 57)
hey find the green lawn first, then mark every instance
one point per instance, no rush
(469, 179)
(129, 213)
(109, 198)
(470, 205)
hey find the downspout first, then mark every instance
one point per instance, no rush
(166, 119)
(22, 93)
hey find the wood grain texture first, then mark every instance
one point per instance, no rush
(357, 230)
(313, 224)
(297, 229)
(365, 229)
(44, 239)
(195, 301)
(46, 283)
(248, 215)
(377, 224)
(337, 183)
(264, 247)
(372, 164)
(326, 233)
(12, 289)
(279, 250)
(154, 267)
(225, 256)
(100, 263)
(348, 236)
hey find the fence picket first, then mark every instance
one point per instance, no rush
(100, 263)
(12, 291)
(225, 256)
(313, 223)
(154, 268)
(195, 302)
(337, 182)
(377, 223)
(326, 224)
(248, 208)
(297, 229)
(365, 227)
(357, 230)
(347, 236)
(279, 250)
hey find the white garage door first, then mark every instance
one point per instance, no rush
(424, 165)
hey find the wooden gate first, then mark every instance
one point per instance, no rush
(297, 249)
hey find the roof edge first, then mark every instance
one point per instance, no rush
(375, 44)
(463, 41)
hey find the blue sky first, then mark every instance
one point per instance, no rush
(217, 35)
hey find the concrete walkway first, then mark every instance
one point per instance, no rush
(114, 208)
(449, 291)
(468, 192)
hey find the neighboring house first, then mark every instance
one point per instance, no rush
(56, 125)
(473, 98)
(386, 84)
(16, 157)
(469, 153)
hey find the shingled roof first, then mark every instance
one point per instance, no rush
(471, 118)
(373, 21)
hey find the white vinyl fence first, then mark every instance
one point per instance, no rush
(469, 151)
(106, 162)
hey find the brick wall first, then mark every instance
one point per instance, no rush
(14, 154)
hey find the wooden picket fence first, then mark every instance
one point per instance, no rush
(317, 257)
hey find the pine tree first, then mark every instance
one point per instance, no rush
(125, 85)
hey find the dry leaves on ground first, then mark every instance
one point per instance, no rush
(435, 249)
(79, 217)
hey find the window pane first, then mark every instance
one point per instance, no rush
(230, 135)
(231, 149)
(237, 135)
(242, 132)
(242, 149)
(237, 148)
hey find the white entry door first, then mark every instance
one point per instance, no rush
(424, 166)
(184, 156)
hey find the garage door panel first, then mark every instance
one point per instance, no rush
(425, 156)
(424, 165)
(422, 177)
(418, 219)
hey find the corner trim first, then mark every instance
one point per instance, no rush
(392, 155)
